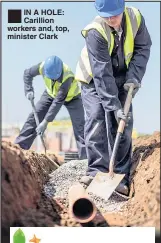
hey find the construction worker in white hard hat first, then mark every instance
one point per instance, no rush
(116, 53)
(61, 88)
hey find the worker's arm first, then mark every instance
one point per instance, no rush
(142, 45)
(55, 106)
(28, 76)
(101, 67)
(59, 100)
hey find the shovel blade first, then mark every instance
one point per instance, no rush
(103, 185)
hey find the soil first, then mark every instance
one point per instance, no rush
(143, 208)
(25, 173)
(23, 176)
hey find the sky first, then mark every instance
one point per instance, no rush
(17, 55)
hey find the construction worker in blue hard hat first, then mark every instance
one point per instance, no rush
(61, 89)
(116, 52)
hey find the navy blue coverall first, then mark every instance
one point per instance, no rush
(105, 94)
(48, 107)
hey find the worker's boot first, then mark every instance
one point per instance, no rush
(123, 187)
(86, 180)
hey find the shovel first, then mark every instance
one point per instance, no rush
(40, 136)
(104, 184)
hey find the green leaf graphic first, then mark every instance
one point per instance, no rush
(19, 237)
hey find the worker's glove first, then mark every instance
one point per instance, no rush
(129, 117)
(41, 127)
(119, 114)
(137, 85)
(30, 95)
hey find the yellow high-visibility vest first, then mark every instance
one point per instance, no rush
(132, 19)
(53, 90)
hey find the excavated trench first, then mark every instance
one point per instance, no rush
(24, 203)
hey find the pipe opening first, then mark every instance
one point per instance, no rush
(83, 208)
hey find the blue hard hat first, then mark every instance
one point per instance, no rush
(109, 8)
(53, 67)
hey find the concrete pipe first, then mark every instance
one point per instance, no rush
(80, 206)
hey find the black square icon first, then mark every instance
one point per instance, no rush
(14, 16)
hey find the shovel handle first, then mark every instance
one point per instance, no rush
(120, 129)
(35, 113)
(122, 123)
(41, 137)
(43, 143)
(37, 123)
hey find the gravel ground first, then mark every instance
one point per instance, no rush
(69, 174)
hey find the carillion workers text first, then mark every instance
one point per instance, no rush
(41, 22)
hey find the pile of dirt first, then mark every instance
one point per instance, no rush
(143, 208)
(23, 176)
